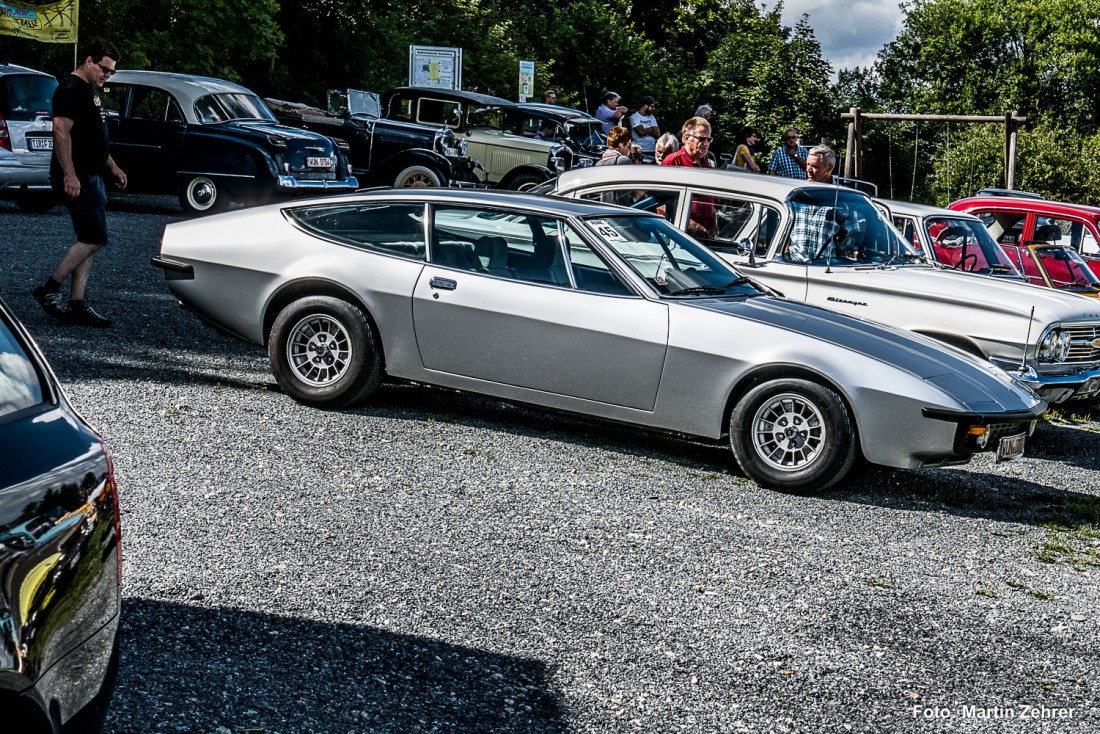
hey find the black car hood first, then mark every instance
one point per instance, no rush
(261, 130)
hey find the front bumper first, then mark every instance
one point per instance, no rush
(1081, 385)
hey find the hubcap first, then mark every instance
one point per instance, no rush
(417, 180)
(788, 432)
(203, 194)
(319, 350)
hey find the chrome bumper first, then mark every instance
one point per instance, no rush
(351, 183)
(1083, 385)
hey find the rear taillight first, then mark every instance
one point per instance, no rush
(5, 136)
(113, 489)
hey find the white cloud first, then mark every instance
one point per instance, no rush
(850, 33)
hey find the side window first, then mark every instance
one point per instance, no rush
(113, 96)
(729, 221)
(590, 271)
(388, 228)
(439, 113)
(503, 244)
(665, 203)
(153, 104)
(908, 230)
(208, 109)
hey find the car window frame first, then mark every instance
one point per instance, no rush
(289, 215)
(50, 393)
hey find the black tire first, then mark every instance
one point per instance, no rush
(36, 202)
(793, 435)
(203, 195)
(525, 181)
(324, 353)
(418, 177)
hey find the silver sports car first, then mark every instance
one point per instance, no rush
(589, 308)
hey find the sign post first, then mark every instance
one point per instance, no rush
(526, 79)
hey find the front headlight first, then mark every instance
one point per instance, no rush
(445, 142)
(1054, 346)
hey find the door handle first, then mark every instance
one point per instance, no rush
(443, 284)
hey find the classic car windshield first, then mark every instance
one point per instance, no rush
(965, 244)
(232, 106)
(485, 117)
(588, 135)
(670, 260)
(1066, 268)
(836, 226)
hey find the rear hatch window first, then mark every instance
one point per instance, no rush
(20, 382)
(24, 97)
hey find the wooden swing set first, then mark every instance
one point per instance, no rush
(853, 166)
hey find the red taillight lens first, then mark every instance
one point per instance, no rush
(113, 489)
(5, 136)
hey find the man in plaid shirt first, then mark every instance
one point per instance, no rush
(790, 160)
(814, 234)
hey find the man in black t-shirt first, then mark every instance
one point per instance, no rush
(81, 159)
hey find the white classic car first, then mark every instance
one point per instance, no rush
(832, 247)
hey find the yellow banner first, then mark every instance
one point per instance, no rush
(53, 23)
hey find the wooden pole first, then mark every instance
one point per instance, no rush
(849, 151)
(1010, 150)
(859, 143)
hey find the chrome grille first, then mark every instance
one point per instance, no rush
(1085, 344)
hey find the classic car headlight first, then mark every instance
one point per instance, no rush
(1054, 346)
(560, 159)
(445, 142)
(276, 141)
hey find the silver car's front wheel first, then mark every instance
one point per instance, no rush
(794, 435)
(324, 352)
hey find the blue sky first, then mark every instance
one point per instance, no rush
(850, 32)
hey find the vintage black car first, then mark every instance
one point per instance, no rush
(384, 152)
(60, 561)
(511, 159)
(582, 132)
(213, 142)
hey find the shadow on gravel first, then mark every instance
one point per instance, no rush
(282, 675)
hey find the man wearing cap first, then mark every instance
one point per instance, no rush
(644, 126)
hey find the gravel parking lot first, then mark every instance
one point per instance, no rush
(436, 562)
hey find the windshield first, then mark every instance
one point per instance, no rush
(842, 227)
(965, 244)
(24, 97)
(587, 134)
(1066, 268)
(232, 106)
(669, 260)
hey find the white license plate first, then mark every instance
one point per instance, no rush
(1011, 447)
(40, 143)
(318, 162)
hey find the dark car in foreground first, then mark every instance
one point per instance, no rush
(384, 152)
(60, 558)
(595, 309)
(213, 142)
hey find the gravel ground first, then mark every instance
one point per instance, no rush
(436, 562)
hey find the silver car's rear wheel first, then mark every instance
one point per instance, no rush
(793, 435)
(323, 352)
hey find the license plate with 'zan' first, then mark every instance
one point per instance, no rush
(318, 162)
(1011, 447)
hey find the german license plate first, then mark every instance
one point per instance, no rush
(319, 162)
(1011, 447)
(39, 143)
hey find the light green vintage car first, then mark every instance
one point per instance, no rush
(511, 160)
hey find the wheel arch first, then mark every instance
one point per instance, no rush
(767, 373)
(298, 289)
(523, 170)
(399, 161)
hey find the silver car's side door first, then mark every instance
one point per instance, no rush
(512, 327)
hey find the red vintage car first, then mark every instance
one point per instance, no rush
(1037, 233)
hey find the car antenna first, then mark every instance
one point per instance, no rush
(1023, 359)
